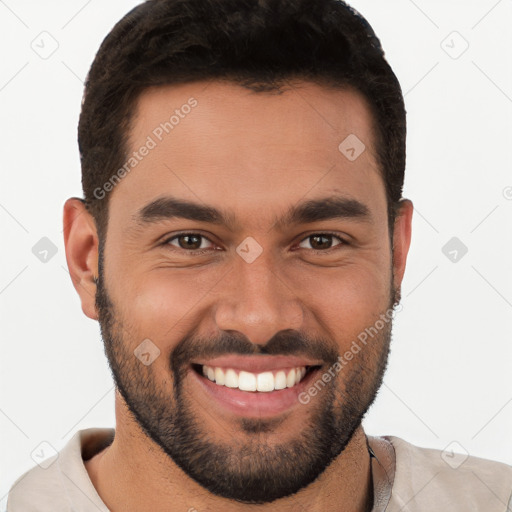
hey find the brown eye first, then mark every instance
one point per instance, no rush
(189, 241)
(321, 241)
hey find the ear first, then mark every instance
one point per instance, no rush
(81, 242)
(401, 240)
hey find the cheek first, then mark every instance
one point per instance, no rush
(344, 300)
(162, 304)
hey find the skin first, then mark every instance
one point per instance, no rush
(252, 155)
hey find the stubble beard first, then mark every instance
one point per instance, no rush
(255, 468)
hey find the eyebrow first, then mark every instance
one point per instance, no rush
(313, 210)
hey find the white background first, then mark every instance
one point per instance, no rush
(449, 373)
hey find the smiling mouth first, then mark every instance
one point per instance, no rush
(261, 382)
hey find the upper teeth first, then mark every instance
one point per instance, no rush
(247, 381)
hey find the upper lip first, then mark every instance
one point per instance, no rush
(258, 363)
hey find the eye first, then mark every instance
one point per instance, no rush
(189, 242)
(322, 241)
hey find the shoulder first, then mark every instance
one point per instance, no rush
(431, 479)
(36, 488)
(62, 479)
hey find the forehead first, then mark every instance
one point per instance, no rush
(225, 145)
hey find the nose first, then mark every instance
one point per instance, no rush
(256, 300)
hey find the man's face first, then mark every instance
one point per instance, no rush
(249, 295)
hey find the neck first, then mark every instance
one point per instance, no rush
(134, 474)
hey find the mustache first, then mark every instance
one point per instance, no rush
(286, 342)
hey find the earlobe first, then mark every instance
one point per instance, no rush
(402, 240)
(81, 243)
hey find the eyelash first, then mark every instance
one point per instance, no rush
(343, 242)
(167, 241)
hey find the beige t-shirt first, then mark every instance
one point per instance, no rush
(406, 478)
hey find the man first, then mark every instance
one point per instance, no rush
(243, 226)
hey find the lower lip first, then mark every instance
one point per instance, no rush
(254, 404)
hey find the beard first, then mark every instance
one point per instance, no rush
(255, 467)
